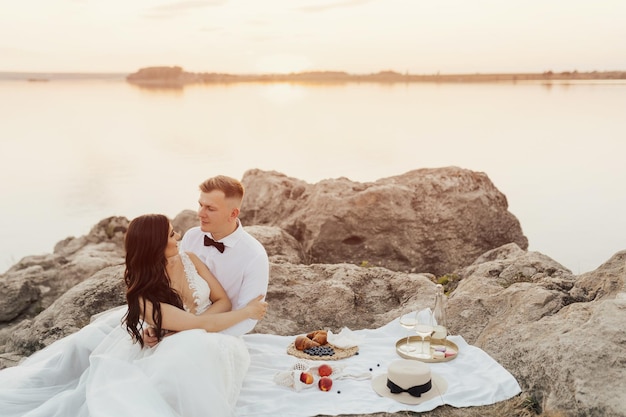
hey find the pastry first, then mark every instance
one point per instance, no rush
(318, 336)
(303, 342)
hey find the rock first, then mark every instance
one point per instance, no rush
(281, 247)
(185, 220)
(9, 359)
(109, 230)
(305, 297)
(36, 282)
(17, 295)
(427, 220)
(72, 311)
(561, 336)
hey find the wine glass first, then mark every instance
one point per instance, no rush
(423, 328)
(408, 321)
(439, 337)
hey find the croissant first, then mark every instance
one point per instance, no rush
(319, 337)
(303, 342)
(313, 333)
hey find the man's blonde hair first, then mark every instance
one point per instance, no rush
(231, 187)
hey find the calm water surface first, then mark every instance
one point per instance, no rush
(75, 152)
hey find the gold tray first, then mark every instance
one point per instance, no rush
(340, 353)
(416, 341)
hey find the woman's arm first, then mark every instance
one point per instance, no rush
(175, 319)
(219, 299)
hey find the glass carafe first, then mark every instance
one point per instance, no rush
(439, 314)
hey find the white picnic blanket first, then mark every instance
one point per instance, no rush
(474, 378)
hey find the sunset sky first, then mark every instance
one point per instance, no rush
(357, 36)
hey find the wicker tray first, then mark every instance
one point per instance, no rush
(340, 353)
(416, 341)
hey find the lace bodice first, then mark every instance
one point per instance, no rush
(198, 286)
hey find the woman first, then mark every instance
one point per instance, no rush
(105, 369)
(157, 273)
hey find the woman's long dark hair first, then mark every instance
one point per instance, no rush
(145, 275)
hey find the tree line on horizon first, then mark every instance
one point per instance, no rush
(176, 75)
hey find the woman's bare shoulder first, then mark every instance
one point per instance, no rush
(196, 261)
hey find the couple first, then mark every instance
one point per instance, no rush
(175, 304)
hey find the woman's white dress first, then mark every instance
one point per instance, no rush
(98, 371)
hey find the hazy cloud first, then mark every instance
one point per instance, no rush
(258, 22)
(213, 29)
(332, 5)
(180, 7)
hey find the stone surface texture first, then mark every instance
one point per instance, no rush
(427, 220)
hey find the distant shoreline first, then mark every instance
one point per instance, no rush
(60, 76)
(176, 76)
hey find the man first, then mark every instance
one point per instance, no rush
(236, 258)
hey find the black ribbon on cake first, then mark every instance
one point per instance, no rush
(415, 391)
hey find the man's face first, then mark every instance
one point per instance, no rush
(215, 212)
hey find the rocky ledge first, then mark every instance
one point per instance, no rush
(374, 249)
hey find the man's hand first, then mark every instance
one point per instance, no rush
(149, 337)
(257, 308)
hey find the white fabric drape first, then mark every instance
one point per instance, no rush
(474, 378)
(98, 372)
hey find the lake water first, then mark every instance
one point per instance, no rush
(77, 151)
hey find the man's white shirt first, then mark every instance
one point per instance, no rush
(242, 269)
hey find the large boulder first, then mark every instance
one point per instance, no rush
(427, 220)
(561, 336)
(69, 313)
(35, 282)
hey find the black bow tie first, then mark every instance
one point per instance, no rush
(210, 242)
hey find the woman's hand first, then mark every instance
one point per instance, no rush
(257, 308)
(149, 337)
